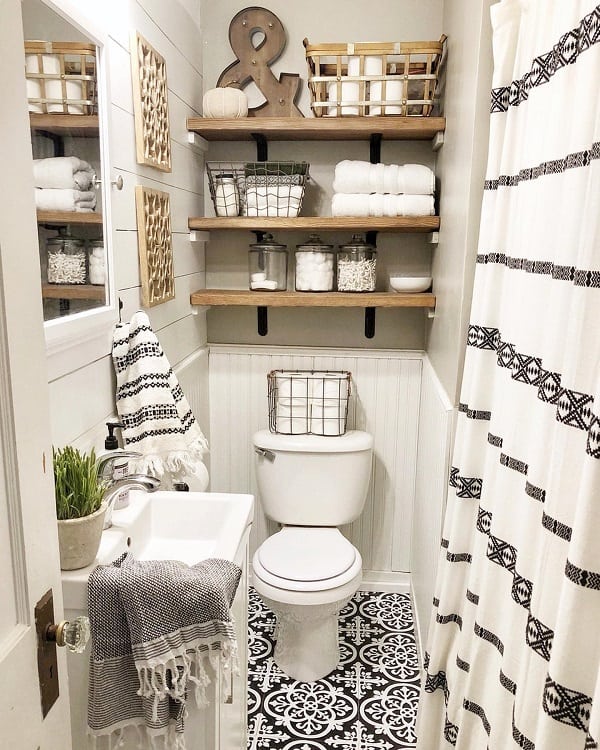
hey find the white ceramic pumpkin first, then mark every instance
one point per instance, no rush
(225, 103)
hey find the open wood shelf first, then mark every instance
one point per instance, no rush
(246, 298)
(321, 223)
(60, 218)
(317, 128)
(81, 126)
(73, 291)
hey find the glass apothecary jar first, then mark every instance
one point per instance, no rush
(267, 265)
(315, 266)
(67, 262)
(356, 266)
(96, 262)
(227, 196)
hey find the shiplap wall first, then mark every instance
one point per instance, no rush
(83, 398)
(434, 443)
(386, 387)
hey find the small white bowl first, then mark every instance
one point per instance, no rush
(408, 284)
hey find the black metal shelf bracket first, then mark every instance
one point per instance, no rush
(262, 147)
(375, 148)
(370, 322)
(262, 319)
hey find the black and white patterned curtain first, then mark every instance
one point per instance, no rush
(513, 658)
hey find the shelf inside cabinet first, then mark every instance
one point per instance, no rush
(321, 223)
(74, 291)
(317, 128)
(242, 297)
(81, 126)
(62, 218)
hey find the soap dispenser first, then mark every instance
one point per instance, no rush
(120, 466)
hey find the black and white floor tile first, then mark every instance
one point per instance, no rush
(368, 703)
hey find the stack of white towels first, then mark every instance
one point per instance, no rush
(64, 183)
(315, 404)
(364, 189)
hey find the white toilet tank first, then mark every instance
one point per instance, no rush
(309, 480)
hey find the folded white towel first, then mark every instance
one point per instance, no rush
(362, 177)
(377, 204)
(62, 172)
(63, 199)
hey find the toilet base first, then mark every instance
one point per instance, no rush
(307, 638)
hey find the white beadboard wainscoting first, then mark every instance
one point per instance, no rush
(434, 446)
(385, 402)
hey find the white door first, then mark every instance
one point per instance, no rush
(29, 564)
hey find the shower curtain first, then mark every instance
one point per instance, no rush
(513, 655)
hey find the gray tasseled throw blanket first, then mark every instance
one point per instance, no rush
(154, 626)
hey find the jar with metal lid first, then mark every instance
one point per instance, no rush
(315, 266)
(66, 260)
(96, 262)
(356, 266)
(267, 265)
(227, 196)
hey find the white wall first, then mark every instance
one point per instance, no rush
(358, 20)
(460, 169)
(83, 398)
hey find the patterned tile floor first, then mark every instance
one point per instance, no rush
(368, 703)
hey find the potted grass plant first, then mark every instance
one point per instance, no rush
(79, 506)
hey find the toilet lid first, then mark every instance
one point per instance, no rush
(301, 553)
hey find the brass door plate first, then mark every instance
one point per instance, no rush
(46, 654)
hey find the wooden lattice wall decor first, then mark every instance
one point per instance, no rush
(150, 105)
(154, 244)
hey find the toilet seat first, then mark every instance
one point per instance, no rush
(300, 558)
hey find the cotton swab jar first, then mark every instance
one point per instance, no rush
(356, 266)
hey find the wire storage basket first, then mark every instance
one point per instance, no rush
(61, 77)
(262, 188)
(374, 78)
(308, 402)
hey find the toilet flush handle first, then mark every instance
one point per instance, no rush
(269, 455)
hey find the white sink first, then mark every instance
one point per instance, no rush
(186, 526)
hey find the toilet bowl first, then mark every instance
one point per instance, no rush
(308, 571)
(306, 576)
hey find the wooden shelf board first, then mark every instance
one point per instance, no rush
(242, 297)
(73, 291)
(82, 126)
(68, 217)
(321, 223)
(317, 128)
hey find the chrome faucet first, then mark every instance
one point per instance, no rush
(132, 482)
(105, 462)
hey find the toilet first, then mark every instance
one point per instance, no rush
(308, 571)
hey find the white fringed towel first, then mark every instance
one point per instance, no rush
(156, 626)
(62, 172)
(156, 416)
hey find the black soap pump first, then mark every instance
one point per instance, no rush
(120, 466)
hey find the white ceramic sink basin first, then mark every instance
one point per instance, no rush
(186, 526)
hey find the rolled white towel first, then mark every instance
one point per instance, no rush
(63, 199)
(358, 204)
(362, 177)
(62, 172)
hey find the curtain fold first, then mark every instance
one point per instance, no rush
(513, 656)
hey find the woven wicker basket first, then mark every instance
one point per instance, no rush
(61, 77)
(374, 78)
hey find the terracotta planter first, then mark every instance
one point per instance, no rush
(79, 539)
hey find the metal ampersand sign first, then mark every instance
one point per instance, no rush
(253, 62)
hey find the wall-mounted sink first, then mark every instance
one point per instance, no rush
(186, 526)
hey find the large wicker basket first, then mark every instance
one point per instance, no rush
(61, 77)
(374, 78)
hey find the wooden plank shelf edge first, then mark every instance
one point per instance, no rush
(61, 218)
(73, 291)
(321, 223)
(246, 298)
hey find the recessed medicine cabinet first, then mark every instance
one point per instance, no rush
(68, 103)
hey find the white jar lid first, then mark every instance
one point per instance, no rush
(301, 553)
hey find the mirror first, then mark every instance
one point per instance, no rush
(66, 96)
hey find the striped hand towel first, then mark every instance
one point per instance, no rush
(155, 626)
(156, 417)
